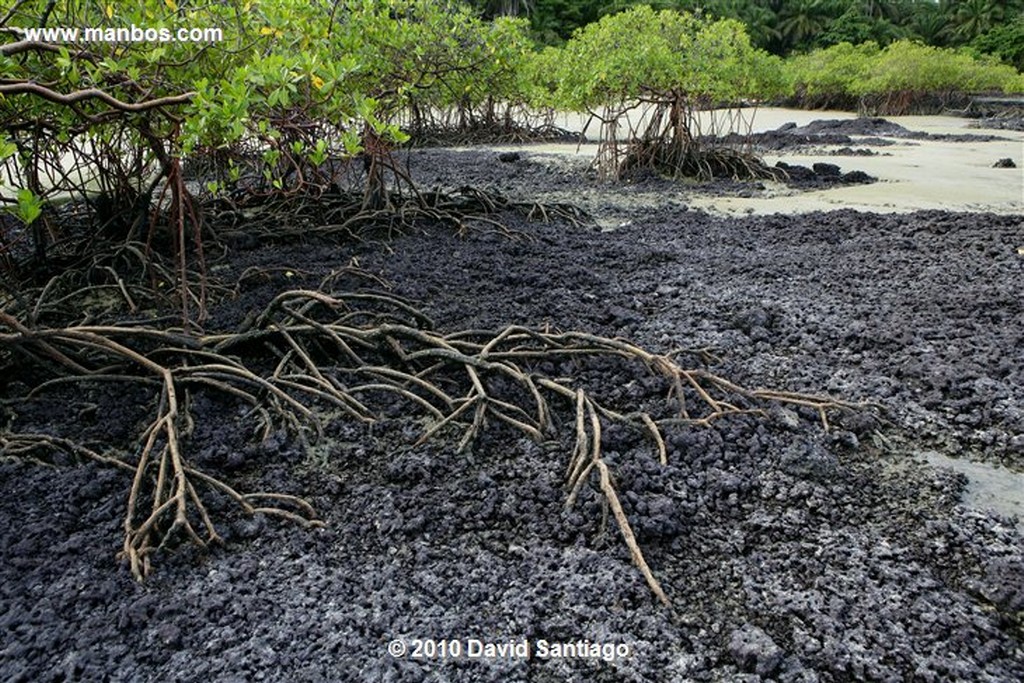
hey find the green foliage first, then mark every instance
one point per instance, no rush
(292, 85)
(605, 62)
(972, 18)
(29, 206)
(855, 26)
(844, 72)
(493, 57)
(125, 146)
(551, 22)
(788, 26)
(732, 70)
(1015, 86)
(669, 64)
(800, 21)
(1005, 42)
(540, 73)
(760, 20)
(420, 57)
(297, 83)
(7, 149)
(303, 91)
(828, 77)
(680, 55)
(905, 66)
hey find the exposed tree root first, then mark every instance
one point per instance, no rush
(310, 349)
(498, 134)
(164, 498)
(344, 216)
(667, 139)
(694, 161)
(489, 123)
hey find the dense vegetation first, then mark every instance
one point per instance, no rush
(904, 77)
(290, 87)
(683, 65)
(286, 91)
(782, 27)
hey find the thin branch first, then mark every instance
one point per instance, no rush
(93, 94)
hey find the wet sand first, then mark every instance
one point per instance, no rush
(913, 174)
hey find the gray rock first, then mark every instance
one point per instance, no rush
(809, 460)
(754, 650)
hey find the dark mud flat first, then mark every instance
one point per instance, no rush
(790, 554)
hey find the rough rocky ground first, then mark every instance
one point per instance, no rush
(877, 132)
(790, 554)
(1001, 123)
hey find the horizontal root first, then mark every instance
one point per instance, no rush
(340, 349)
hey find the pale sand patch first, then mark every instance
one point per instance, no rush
(913, 174)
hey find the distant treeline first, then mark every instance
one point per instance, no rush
(783, 27)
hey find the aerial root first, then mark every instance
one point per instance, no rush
(499, 381)
(345, 216)
(183, 507)
(309, 350)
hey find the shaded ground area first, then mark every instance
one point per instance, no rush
(559, 177)
(790, 554)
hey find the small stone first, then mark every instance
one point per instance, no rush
(858, 177)
(809, 460)
(169, 636)
(786, 417)
(752, 318)
(847, 439)
(623, 316)
(754, 650)
(1005, 163)
(508, 157)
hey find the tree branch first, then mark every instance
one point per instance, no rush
(93, 93)
(27, 46)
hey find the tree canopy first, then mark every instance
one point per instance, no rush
(785, 26)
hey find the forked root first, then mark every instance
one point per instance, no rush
(339, 350)
(424, 362)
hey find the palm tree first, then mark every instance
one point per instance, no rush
(762, 25)
(759, 19)
(801, 20)
(509, 8)
(890, 10)
(971, 18)
(930, 24)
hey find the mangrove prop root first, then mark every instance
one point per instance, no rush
(310, 350)
(345, 216)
